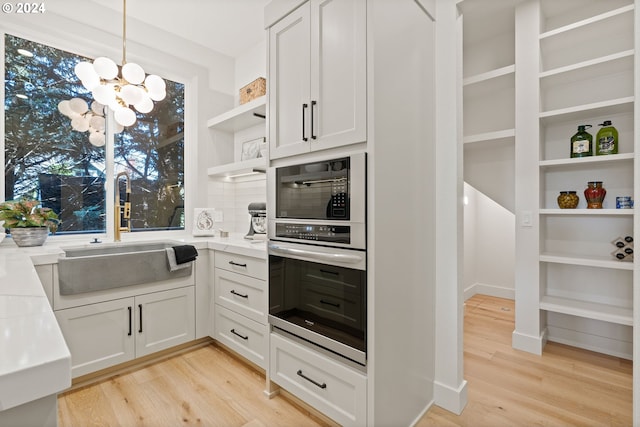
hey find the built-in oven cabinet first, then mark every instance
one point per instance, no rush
(336, 390)
(317, 77)
(240, 305)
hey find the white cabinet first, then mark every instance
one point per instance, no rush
(240, 305)
(108, 333)
(335, 389)
(579, 70)
(317, 77)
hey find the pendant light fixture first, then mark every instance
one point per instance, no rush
(121, 88)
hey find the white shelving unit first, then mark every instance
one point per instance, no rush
(228, 127)
(580, 70)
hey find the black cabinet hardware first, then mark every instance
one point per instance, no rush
(333, 304)
(313, 103)
(239, 294)
(244, 337)
(130, 321)
(300, 374)
(238, 264)
(140, 309)
(304, 107)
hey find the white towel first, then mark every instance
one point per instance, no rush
(171, 257)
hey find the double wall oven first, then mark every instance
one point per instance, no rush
(317, 254)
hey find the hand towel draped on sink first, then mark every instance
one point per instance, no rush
(181, 256)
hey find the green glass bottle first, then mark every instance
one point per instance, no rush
(607, 139)
(582, 142)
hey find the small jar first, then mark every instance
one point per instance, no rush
(594, 194)
(568, 200)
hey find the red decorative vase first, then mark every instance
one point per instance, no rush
(594, 194)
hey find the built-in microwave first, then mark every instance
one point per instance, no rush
(321, 202)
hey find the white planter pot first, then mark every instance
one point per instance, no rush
(30, 236)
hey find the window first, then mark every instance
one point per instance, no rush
(46, 159)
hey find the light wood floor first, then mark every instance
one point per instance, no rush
(506, 387)
(209, 387)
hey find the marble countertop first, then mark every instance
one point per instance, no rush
(34, 358)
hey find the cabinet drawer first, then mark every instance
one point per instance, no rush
(242, 335)
(334, 389)
(249, 266)
(242, 294)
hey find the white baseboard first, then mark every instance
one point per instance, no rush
(491, 290)
(422, 414)
(529, 343)
(452, 399)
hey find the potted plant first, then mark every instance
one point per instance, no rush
(29, 223)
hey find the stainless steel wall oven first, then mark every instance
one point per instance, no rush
(317, 254)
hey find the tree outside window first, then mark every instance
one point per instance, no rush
(48, 160)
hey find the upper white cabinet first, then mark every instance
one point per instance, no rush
(317, 77)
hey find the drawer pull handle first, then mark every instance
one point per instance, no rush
(313, 103)
(332, 304)
(335, 273)
(300, 374)
(140, 309)
(244, 337)
(304, 107)
(239, 294)
(130, 321)
(237, 264)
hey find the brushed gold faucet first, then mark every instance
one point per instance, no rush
(122, 211)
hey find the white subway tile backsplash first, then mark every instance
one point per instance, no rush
(233, 198)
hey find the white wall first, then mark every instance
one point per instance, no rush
(489, 247)
(250, 65)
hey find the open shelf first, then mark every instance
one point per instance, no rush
(244, 168)
(585, 23)
(590, 161)
(489, 75)
(625, 58)
(607, 313)
(610, 107)
(588, 212)
(587, 261)
(242, 117)
(499, 135)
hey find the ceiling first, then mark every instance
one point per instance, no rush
(230, 27)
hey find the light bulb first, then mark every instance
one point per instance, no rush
(157, 95)
(133, 73)
(117, 128)
(91, 82)
(125, 116)
(80, 124)
(154, 83)
(145, 105)
(84, 70)
(78, 105)
(131, 94)
(97, 108)
(97, 122)
(105, 67)
(64, 108)
(97, 139)
(104, 94)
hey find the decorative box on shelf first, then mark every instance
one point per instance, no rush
(253, 90)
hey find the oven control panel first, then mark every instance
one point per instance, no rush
(314, 232)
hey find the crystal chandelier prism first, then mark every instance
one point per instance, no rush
(124, 88)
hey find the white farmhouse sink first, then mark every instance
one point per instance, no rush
(112, 265)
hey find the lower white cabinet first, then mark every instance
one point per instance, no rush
(240, 305)
(242, 335)
(105, 334)
(334, 389)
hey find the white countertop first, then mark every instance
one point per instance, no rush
(34, 358)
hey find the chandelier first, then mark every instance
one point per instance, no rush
(124, 88)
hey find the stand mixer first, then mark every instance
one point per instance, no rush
(258, 222)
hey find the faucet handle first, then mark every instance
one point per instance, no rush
(126, 211)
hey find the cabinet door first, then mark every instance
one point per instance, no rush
(289, 76)
(98, 335)
(338, 72)
(164, 319)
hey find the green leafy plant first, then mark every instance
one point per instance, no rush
(25, 213)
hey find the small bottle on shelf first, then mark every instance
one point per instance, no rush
(606, 139)
(582, 142)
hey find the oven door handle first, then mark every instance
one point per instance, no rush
(321, 256)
